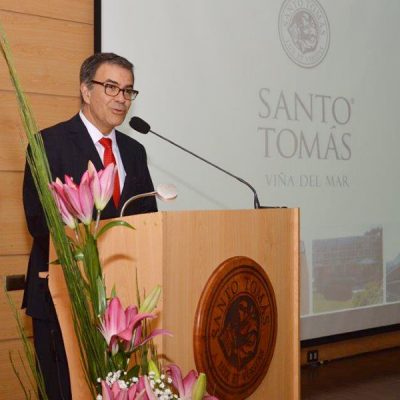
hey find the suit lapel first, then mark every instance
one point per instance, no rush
(129, 166)
(83, 142)
(85, 150)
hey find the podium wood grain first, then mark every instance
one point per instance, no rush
(180, 250)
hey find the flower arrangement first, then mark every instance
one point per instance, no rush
(118, 332)
(120, 362)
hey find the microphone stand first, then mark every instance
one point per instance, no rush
(164, 192)
(138, 196)
(256, 201)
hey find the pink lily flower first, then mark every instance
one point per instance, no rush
(61, 190)
(69, 181)
(134, 326)
(138, 391)
(58, 187)
(118, 393)
(187, 387)
(133, 321)
(114, 392)
(102, 184)
(142, 390)
(126, 325)
(114, 320)
(80, 198)
(149, 394)
(58, 195)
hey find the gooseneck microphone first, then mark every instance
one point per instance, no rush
(142, 126)
(165, 192)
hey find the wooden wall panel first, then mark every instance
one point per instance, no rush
(48, 111)
(15, 238)
(12, 265)
(71, 10)
(47, 53)
(49, 40)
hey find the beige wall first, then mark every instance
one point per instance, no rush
(49, 40)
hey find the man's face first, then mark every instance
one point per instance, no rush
(104, 111)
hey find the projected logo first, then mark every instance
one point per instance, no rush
(304, 32)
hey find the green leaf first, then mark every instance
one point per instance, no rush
(120, 360)
(101, 291)
(113, 292)
(55, 262)
(110, 225)
(71, 240)
(133, 372)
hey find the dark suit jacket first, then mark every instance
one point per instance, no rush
(69, 147)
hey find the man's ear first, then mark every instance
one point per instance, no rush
(85, 91)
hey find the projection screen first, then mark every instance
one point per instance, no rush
(300, 98)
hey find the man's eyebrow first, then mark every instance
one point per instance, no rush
(116, 83)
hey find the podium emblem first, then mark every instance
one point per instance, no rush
(235, 328)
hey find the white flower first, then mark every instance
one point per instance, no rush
(122, 384)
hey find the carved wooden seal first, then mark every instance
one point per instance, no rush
(235, 328)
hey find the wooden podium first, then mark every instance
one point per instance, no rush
(180, 251)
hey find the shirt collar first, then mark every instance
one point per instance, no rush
(94, 133)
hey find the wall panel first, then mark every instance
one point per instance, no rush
(15, 238)
(49, 41)
(72, 10)
(48, 111)
(47, 52)
(12, 265)
(10, 387)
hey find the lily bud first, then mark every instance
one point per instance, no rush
(66, 215)
(153, 368)
(102, 184)
(80, 198)
(150, 302)
(199, 389)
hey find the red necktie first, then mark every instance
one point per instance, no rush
(109, 158)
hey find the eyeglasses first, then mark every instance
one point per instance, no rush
(113, 90)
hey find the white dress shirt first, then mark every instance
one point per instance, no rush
(96, 136)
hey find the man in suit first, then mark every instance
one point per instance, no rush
(106, 85)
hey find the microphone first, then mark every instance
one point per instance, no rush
(164, 191)
(141, 126)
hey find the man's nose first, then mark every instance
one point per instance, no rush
(120, 97)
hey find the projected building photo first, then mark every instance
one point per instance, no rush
(347, 271)
(393, 280)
